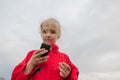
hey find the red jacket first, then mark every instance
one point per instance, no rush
(48, 70)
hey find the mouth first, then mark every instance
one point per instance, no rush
(48, 40)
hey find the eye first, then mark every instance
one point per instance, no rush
(44, 31)
(53, 31)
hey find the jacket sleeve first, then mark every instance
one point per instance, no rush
(18, 73)
(74, 71)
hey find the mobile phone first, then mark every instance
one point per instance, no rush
(47, 46)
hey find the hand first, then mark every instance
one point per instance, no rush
(35, 59)
(65, 69)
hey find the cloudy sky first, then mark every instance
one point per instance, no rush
(90, 34)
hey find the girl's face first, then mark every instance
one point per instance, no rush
(50, 31)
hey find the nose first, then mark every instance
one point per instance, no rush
(48, 35)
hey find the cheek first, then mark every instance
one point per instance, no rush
(42, 35)
(58, 36)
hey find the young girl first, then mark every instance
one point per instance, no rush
(55, 66)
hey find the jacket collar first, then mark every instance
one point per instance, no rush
(54, 47)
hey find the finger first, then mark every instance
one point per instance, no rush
(63, 69)
(62, 73)
(61, 66)
(39, 50)
(40, 53)
(66, 66)
(41, 59)
(43, 52)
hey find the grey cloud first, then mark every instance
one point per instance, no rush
(90, 34)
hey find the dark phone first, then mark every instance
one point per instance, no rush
(47, 47)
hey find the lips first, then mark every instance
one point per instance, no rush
(48, 40)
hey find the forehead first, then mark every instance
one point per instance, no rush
(50, 24)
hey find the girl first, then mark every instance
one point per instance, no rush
(55, 66)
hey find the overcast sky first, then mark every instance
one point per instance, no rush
(90, 34)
